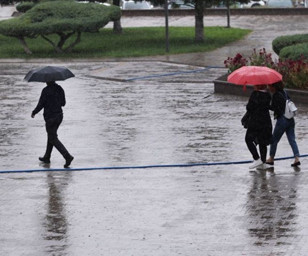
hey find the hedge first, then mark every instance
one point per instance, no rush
(284, 41)
(65, 18)
(24, 6)
(58, 16)
(295, 52)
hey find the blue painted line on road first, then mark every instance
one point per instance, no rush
(140, 166)
(170, 74)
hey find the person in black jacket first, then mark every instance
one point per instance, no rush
(52, 100)
(283, 124)
(259, 130)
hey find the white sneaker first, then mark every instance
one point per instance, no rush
(267, 166)
(263, 167)
(256, 163)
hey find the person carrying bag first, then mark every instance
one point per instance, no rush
(258, 123)
(284, 112)
(290, 109)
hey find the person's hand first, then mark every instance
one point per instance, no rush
(32, 115)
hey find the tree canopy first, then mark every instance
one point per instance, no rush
(64, 18)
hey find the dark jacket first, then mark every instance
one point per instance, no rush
(52, 100)
(260, 122)
(278, 104)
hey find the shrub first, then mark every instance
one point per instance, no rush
(24, 6)
(235, 63)
(261, 58)
(283, 41)
(295, 52)
(64, 18)
(257, 58)
(294, 72)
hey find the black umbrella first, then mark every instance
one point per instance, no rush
(48, 74)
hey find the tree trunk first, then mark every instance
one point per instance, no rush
(167, 25)
(228, 14)
(199, 26)
(117, 28)
(78, 39)
(24, 45)
(63, 38)
(57, 49)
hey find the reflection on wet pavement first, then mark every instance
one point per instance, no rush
(271, 206)
(221, 210)
(55, 222)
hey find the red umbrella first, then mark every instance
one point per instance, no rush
(253, 75)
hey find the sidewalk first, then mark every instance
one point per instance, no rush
(265, 30)
(108, 121)
(6, 12)
(220, 211)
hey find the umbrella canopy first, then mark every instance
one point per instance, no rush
(48, 74)
(253, 75)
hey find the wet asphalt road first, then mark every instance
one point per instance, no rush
(222, 210)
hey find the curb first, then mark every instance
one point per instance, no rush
(217, 12)
(221, 86)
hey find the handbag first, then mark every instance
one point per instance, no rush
(245, 120)
(290, 109)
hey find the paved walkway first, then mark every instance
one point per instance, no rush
(220, 211)
(265, 30)
(6, 12)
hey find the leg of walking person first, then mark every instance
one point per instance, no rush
(49, 148)
(46, 158)
(290, 131)
(277, 134)
(249, 139)
(263, 152)
(52, 126)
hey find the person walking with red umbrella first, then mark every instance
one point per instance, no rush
(258, 121)
(259, 127)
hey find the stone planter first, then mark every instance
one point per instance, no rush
(223, 87)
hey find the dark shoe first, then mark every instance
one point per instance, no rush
(69, 159)
(296, 164)
(44, 160)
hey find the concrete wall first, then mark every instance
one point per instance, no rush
(218, 12)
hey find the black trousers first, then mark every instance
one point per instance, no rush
(251, 139)
(52, 125)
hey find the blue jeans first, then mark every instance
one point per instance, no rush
(284, 125)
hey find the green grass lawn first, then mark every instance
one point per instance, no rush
(134, 42)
